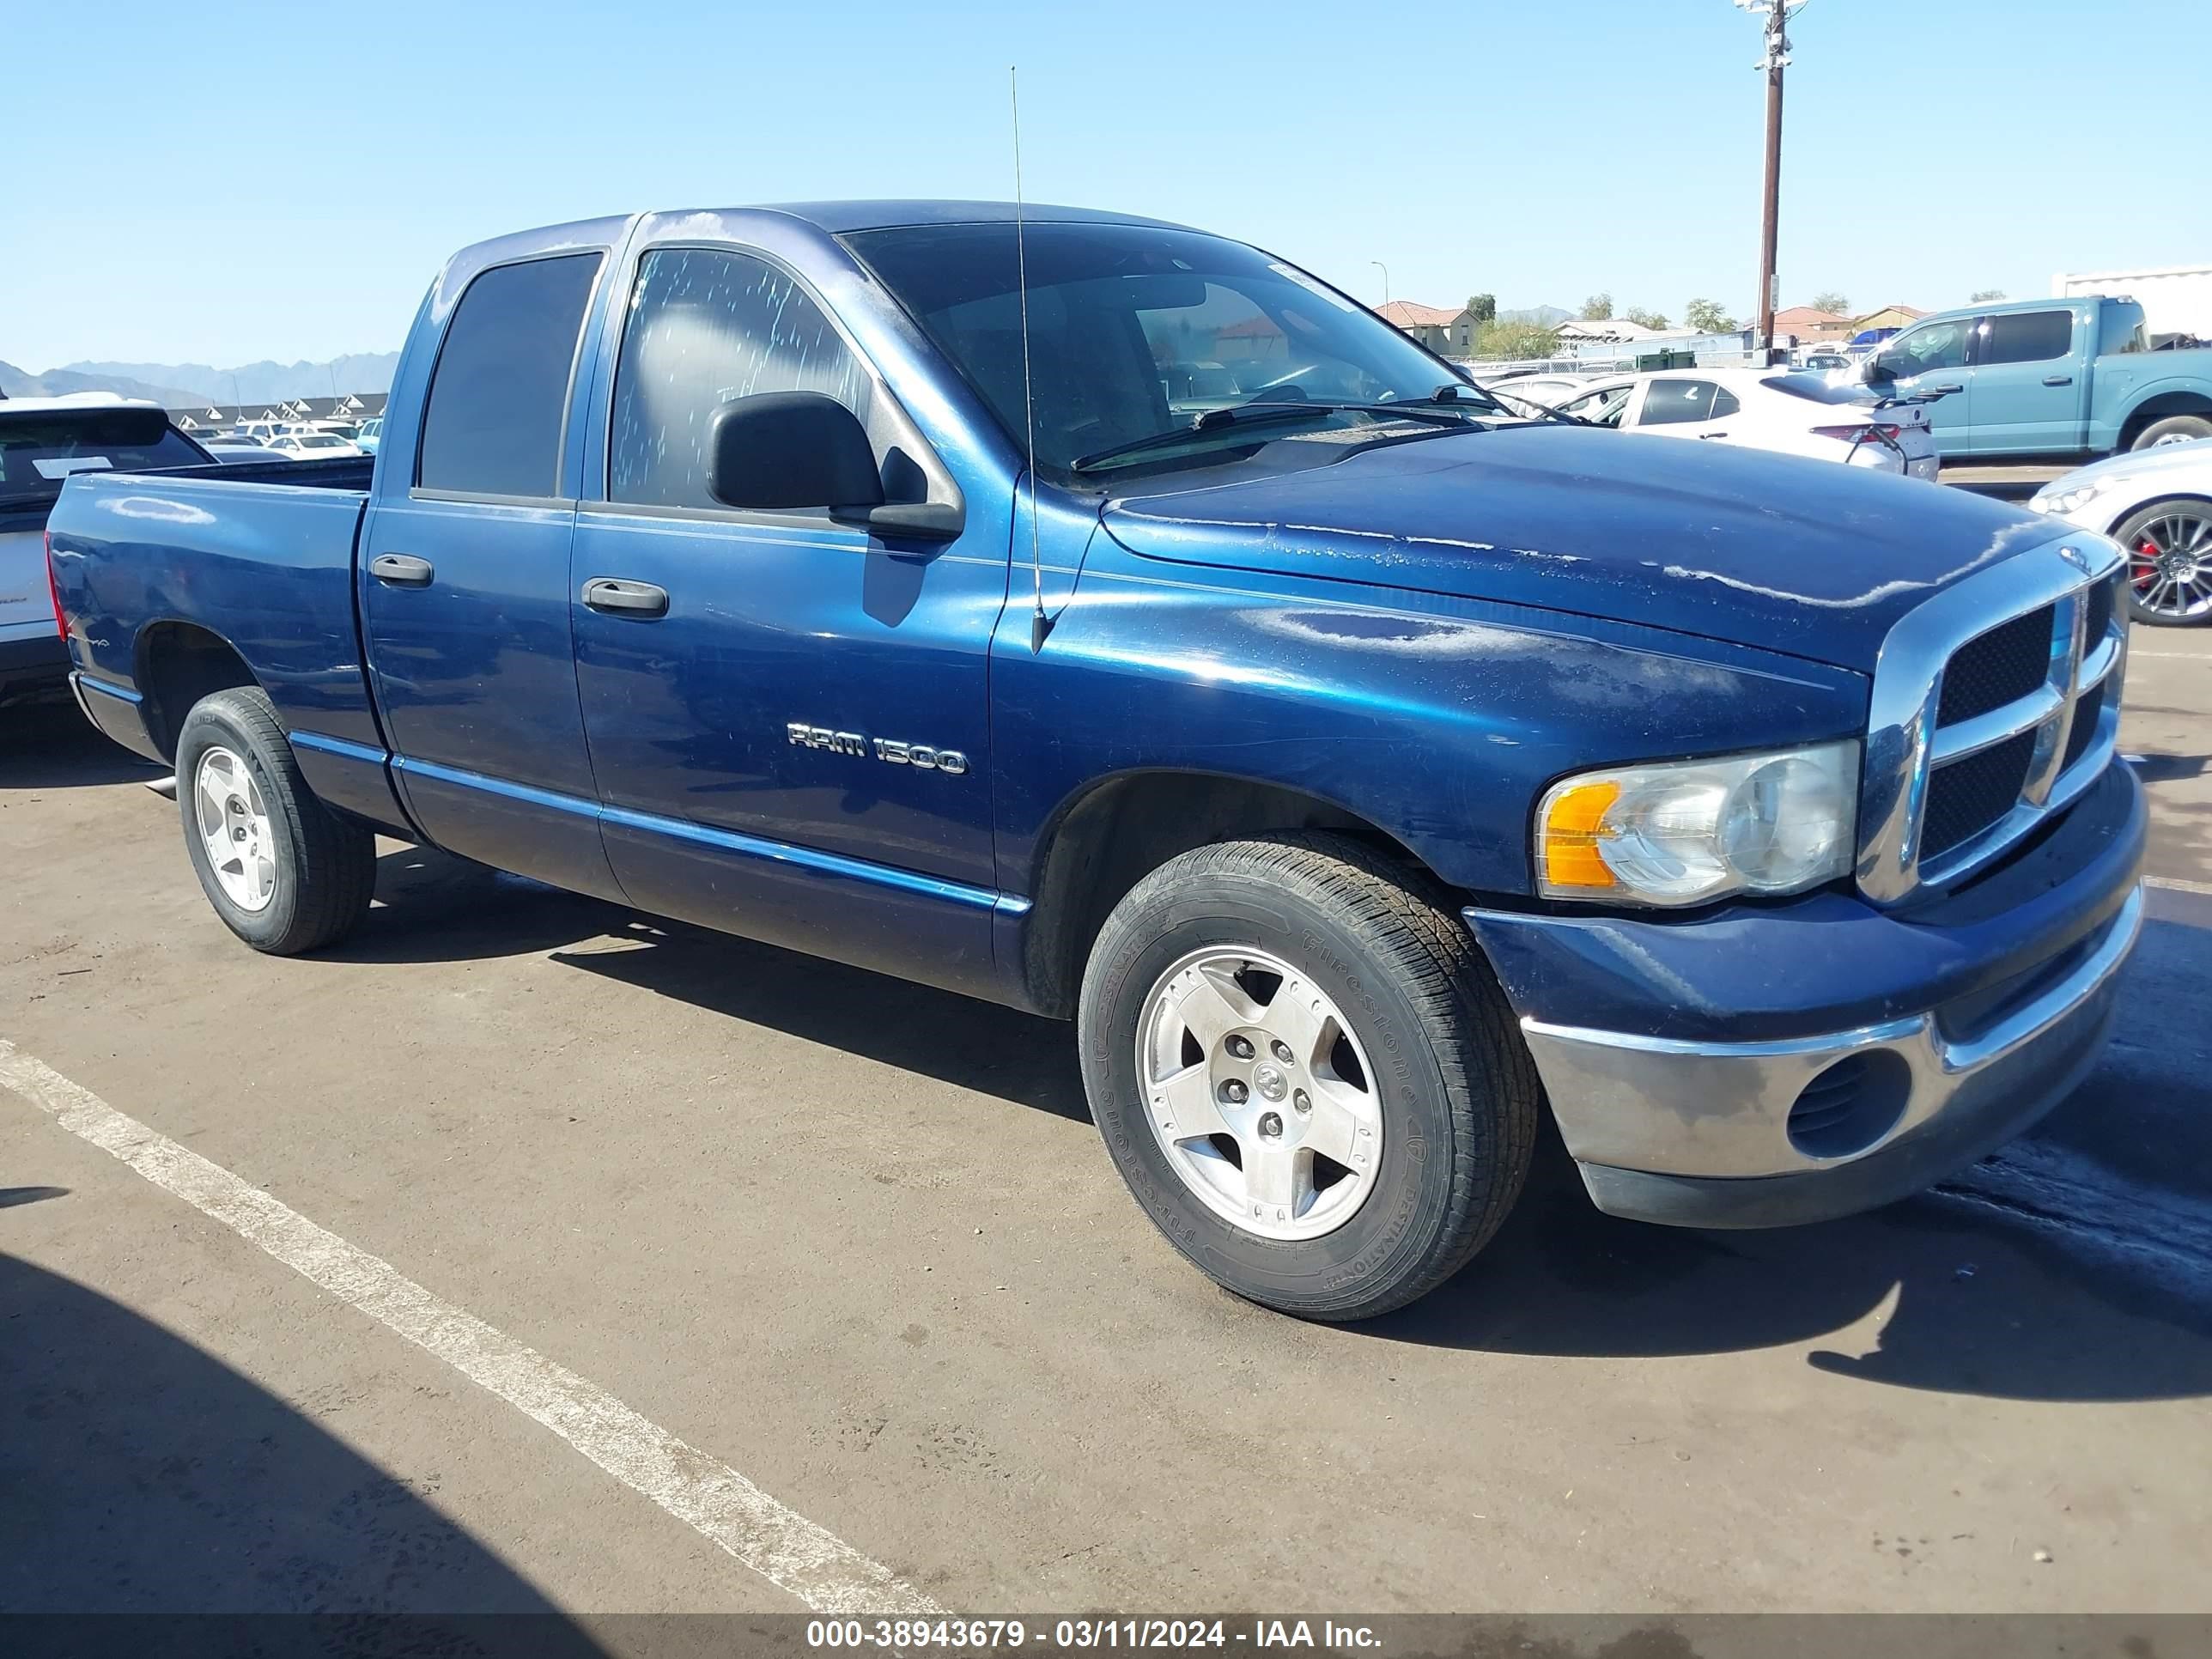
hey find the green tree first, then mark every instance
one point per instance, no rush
(1484, 306)
(1707, 318)
(1644, 318)
(1598, 308)
(1515, 341)
(1834, 303)
(1985, 296)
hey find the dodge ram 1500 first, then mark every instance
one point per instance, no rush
(1117, 621)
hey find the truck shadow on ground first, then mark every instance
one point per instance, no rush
(1977, 1301)
(49, 745)
(145, 1476)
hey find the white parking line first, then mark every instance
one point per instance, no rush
(784, 1547)
(2176, 884)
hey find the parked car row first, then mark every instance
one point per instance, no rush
(1792, 412)
(262, 441)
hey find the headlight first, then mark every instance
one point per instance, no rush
(1687, 832)
(2052, 498)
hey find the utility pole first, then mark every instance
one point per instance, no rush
(1773, 60)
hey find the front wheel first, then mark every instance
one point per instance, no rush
(284, 872)
(2173, 429)
(1305, 1073)
(2169, 548)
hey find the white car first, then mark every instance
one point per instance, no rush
(1790, 411)
(2157, 504)
(1545, 392)
(232, 451)
(313, 447)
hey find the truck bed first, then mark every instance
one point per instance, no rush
(166, 575)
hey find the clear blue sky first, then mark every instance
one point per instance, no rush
(234, 181)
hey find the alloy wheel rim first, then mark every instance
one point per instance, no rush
(1258, 1093)
(233, 820)
(2170, 565)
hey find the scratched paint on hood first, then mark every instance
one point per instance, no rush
(1803, 557)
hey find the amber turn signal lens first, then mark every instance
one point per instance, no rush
(1570, 836)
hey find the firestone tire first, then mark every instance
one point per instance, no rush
(241, 796)
(1456, 1090)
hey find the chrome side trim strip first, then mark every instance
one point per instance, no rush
(726, 840)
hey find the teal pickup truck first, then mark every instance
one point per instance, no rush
(2067, 379)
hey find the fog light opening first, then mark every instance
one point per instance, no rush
(1851, 1105)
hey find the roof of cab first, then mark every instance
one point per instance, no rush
(839, 218)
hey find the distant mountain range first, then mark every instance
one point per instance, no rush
(179, 386)
(1542, 316)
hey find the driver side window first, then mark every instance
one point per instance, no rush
(1603, 407)
(1940, 345)
(707, 325)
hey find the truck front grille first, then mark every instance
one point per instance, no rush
(2001, 666)
(1983, 725)
(1968, 796)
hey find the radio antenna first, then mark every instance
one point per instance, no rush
(1039, 624)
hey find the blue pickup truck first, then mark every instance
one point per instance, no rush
(1117, 621)
(2062, 380)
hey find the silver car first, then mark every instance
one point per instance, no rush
(2157, 504)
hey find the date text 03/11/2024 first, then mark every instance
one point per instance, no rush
(967, 1634)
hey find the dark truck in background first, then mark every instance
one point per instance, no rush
(1364, 770)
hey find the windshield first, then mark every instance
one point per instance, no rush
(1136, 331)
(39, 450)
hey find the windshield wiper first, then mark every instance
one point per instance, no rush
(1269, 414)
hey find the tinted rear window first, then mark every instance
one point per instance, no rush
(499, 394)
(38, 451)
(2027, 336)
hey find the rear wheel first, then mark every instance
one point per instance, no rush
(2169, 548)
(1305, 1072)
(2173, 429)
(284, 872)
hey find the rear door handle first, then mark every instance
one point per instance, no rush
(2058, 380)
(631, 599)
(401, 569)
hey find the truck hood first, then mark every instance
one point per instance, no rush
(1807, 557)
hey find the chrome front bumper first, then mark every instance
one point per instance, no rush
(1701, 1133)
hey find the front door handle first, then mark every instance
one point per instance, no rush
(1944, 389)
(2058, 380)
(631, 599)
(401, 569)
(1712, 435)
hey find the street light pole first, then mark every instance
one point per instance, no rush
(1774, 60)
(1385, 270)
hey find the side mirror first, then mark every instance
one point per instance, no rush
(1875, 372)
(792, 449)
(803, 449)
